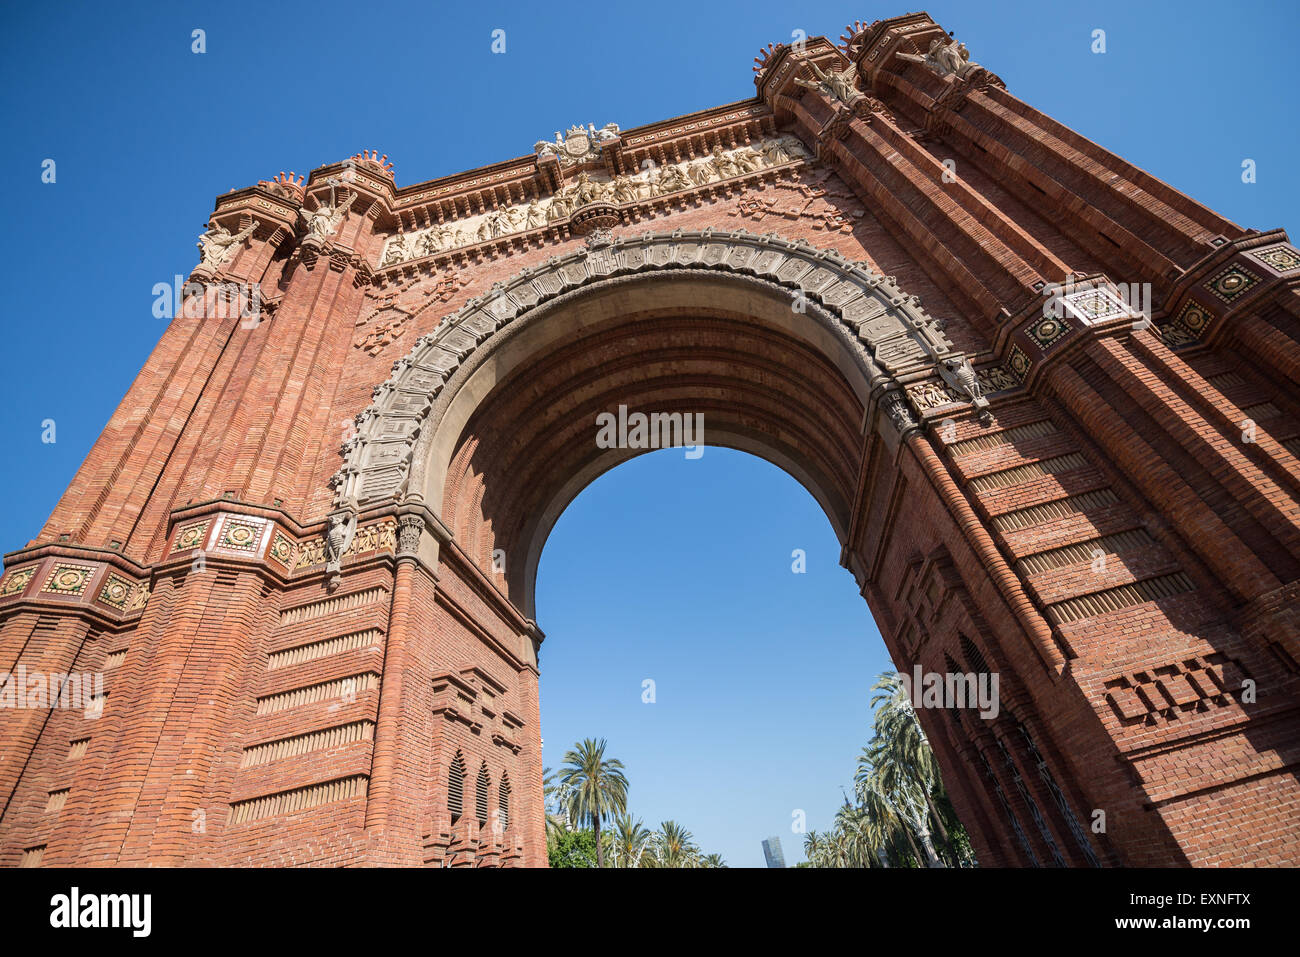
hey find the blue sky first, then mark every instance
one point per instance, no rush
(667, 569)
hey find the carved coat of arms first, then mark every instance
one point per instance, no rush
(578, 145)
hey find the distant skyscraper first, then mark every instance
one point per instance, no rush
(772, 851)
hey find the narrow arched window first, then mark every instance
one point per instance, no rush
(481, 795)
(456, 787)
(503, 801)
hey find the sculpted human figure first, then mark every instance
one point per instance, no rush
(499, 223)
(837, 86)
(625, 190)
(561, 206)
(546, 148)
(672, 179)
(781, 150)
(587, 190)
(322, 221)
(397, 251)
(534, 216)
(723, 164)
(216, 244)
(701, 173)
(748, 159)
(945, 57)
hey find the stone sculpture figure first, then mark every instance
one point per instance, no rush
(723, 164)
(397, 252)
(547, 148)
(781, 150)
(748, 159)
(217, 243)
(534, 216)
(672, 179)
(429, 242)
(950, 58)
(625, 189)
(701, 173)
(837, 86)
(587, 190)
(960, 375)
(339, 532)
(560, 207)
(322, 221)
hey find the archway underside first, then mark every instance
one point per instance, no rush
(531, 445)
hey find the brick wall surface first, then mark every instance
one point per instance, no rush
(1117, 535)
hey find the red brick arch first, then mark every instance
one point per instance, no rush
(788, 315)
(1036, 477)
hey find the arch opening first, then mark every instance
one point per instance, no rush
(736, 358)
(678, 616)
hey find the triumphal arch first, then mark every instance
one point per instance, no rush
(1049, 404)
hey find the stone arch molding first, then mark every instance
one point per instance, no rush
(896, 335)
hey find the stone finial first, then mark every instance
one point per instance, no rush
(372, 159)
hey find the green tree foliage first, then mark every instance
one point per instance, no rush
(901, 815)
(571, 849)
(590, 790)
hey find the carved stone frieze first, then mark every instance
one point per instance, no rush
(932, 393)
(593, 187)
(375, 537)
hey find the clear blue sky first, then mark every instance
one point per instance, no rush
(664, 569)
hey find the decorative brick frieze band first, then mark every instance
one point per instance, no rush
(299, 799)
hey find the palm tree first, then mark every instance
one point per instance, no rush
(713, 860)
(897, 721)
(630, 841)
(903, 762)
(881, 808)
(814, 848)
(553, 802)
(860, 834)
(674, 846)
(595, 788)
